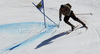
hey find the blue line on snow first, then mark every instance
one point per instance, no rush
(28, 40)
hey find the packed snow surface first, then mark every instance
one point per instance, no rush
(22, 29)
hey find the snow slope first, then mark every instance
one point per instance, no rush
(22, 29)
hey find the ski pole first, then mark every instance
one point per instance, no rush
(85, 14)
(58, 24)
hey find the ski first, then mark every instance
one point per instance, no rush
(76, 28)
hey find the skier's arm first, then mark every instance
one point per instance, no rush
(60, 15)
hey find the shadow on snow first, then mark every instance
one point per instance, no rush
(49, 41)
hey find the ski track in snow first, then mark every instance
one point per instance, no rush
(96, 32)
(91, 39)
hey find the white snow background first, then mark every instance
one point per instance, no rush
(22, 29)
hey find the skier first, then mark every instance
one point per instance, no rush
(67, 12)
